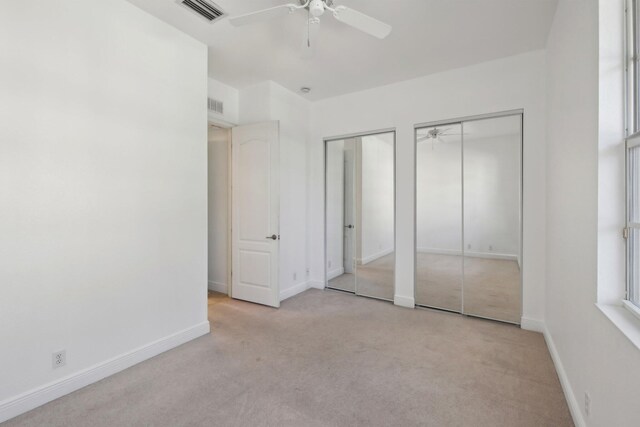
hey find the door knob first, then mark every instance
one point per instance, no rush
(349, 226)
(272, 237)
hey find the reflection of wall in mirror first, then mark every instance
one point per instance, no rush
(492, 197)
(335, 208)
(377, 197)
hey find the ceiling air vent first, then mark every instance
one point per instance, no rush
(215, 106)
(204, 8)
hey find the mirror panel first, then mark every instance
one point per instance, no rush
(439, 262)
(375, 215)
(340, 215)
(492, 232)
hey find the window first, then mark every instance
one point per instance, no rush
(632, 231)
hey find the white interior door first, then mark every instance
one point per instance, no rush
(255, 224)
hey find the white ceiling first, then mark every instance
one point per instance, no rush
(428, 36)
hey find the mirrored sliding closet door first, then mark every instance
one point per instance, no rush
(468, 217)
(360, 215)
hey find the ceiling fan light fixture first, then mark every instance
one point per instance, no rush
(305, 89)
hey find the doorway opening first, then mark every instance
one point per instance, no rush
(219, 213)
(244, 220)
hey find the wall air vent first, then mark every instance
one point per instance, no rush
(215, 106)
(204, 8)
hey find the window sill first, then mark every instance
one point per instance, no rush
(624, 320)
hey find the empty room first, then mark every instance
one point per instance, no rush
(320, 213)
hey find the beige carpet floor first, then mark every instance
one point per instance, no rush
(492, 286)
(327, 358)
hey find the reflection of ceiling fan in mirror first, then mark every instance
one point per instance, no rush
(436, 134)
(316, 9)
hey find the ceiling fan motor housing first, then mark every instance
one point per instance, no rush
(316, 7)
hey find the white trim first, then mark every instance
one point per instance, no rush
(631, 307)
(214, 119)
(488, 255)
(534, 325)
(371, 258)
(517, 112)
(316, 284)
(218, 287)
(574, 407)
(402, 301)
(29, 400)
(335, 273)
(624, 319)
(294, 290)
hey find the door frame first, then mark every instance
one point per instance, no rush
(461, 121)
(395, 195)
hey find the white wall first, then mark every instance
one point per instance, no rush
(585, 253)
(511, 83)
(218, 155)
(103, 197)
(377, 197)
(270, 101)
(230, 96)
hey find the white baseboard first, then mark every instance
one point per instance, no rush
(316, 284)
(218, 287)
(572, 402)
(488, 255)
(370, 258)
(29, 400)
(534, 325)
(408, 302)
(294, 290)
(335, 273)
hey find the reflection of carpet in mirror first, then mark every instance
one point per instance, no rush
(491, 286)
(375, 278)
(344, 282)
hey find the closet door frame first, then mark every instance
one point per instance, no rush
(461, 121)
(325, 141)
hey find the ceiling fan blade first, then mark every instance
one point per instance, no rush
(362, 22)
(263, 15)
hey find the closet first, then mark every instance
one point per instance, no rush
(469, 216)
(360, 214)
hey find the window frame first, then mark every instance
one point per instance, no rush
(631, 301)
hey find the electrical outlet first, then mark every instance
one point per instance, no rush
(329, 264)
(587, 404)
(468, 246)
(308, 271)
(295, 276)
(490, 247)
(59, 358)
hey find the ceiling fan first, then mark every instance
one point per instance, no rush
(317, 8)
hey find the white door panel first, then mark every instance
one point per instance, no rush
(255, 216)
